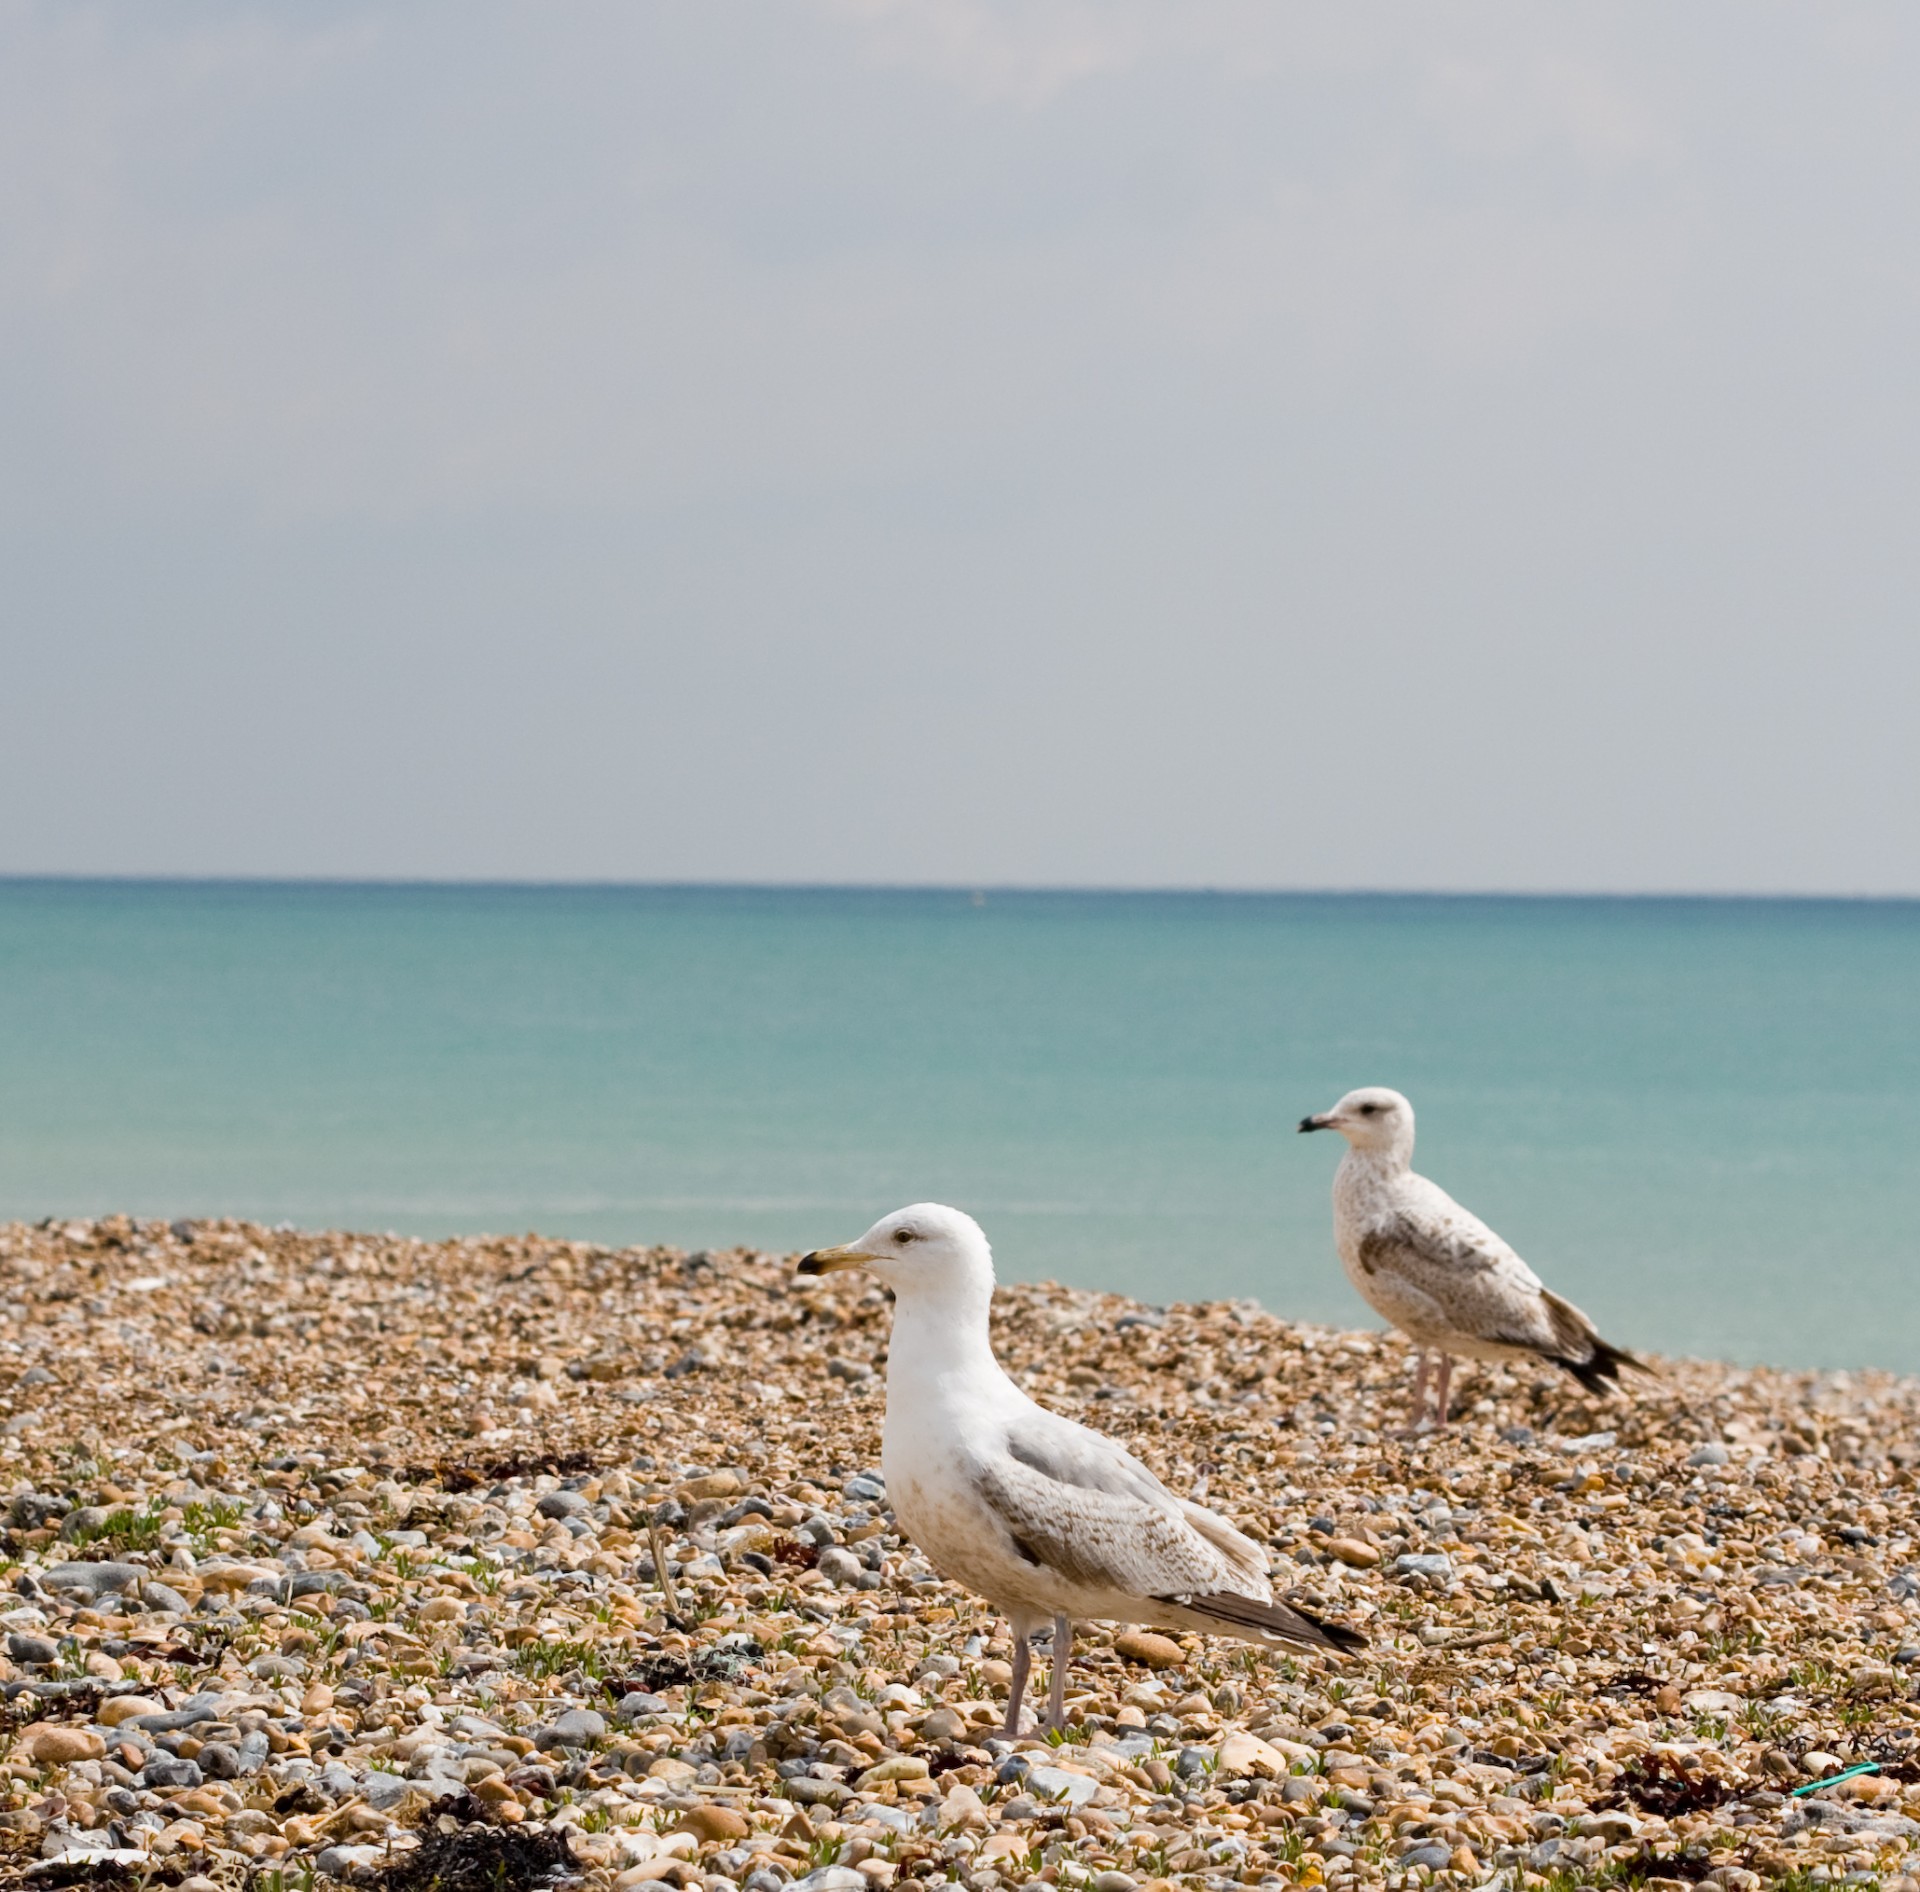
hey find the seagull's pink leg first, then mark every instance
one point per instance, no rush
(1446, 1387)
(1418, 1405)
(1022, 1662)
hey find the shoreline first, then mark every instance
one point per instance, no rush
(341, 1491)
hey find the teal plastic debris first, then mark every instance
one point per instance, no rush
(1833, 1780)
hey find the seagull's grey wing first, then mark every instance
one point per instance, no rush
(1479, 1286)
(1081, 1506)
(1471, 1278)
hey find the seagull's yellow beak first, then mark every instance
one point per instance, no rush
(832, 1260)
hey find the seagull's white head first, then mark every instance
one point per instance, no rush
(1374, 1119)
(926, 1250)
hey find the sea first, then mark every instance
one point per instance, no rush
(1699, 1119)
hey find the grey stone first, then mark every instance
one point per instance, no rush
(814, 1793)
(169, 1770)
(833, 1879)
(561, 1504)
(95, 1579)
(578, 1727)
(866, 1488)
(252, 1753)
(878, 1813)
(190, 1714)
(343, 1862)
(36, 1652)
(1710, 1455)
(1834, 1816)
(85, 1522)
(385, 1791)
(841, 1567)
(218, 1761)
(164, 1598)
(1432, 1855)
(1434, 1566)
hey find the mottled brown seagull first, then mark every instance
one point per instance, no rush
(1436, 1271)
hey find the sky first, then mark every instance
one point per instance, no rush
(1070, 442)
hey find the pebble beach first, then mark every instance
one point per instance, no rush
(516, 1562)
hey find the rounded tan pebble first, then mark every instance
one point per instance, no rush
(900, 1767)
(119, 1708)
(1350, 1550)
(444, 1609)
(235, 1576)
(1243, 1753)
(712, 1823)
(317, 1700)
(1144, 1646)
(713, 1485)
(56, 1745)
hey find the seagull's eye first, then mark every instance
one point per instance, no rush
(904, 1236)
(1367, 1110)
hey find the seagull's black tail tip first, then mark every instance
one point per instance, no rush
(1599, 1372)
(1285, 1623)
(1341, 1637)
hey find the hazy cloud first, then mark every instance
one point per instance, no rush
(1223, 442)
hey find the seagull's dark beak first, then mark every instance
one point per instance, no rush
(832, 1260)
(1314, 1123)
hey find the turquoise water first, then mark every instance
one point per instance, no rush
(1700, 1119)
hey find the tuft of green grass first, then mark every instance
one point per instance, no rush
(541, 1661)
(125, 1529)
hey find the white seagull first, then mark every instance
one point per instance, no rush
(1437, 1272)
(1047, 1520)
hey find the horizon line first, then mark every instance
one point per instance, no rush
(964, 889)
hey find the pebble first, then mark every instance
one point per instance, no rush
(60, 1744)
(1354, 1552)
(1148, 1647)
(578, 1727)
(97, 1579)
(840, 1566)
(711, 1824)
